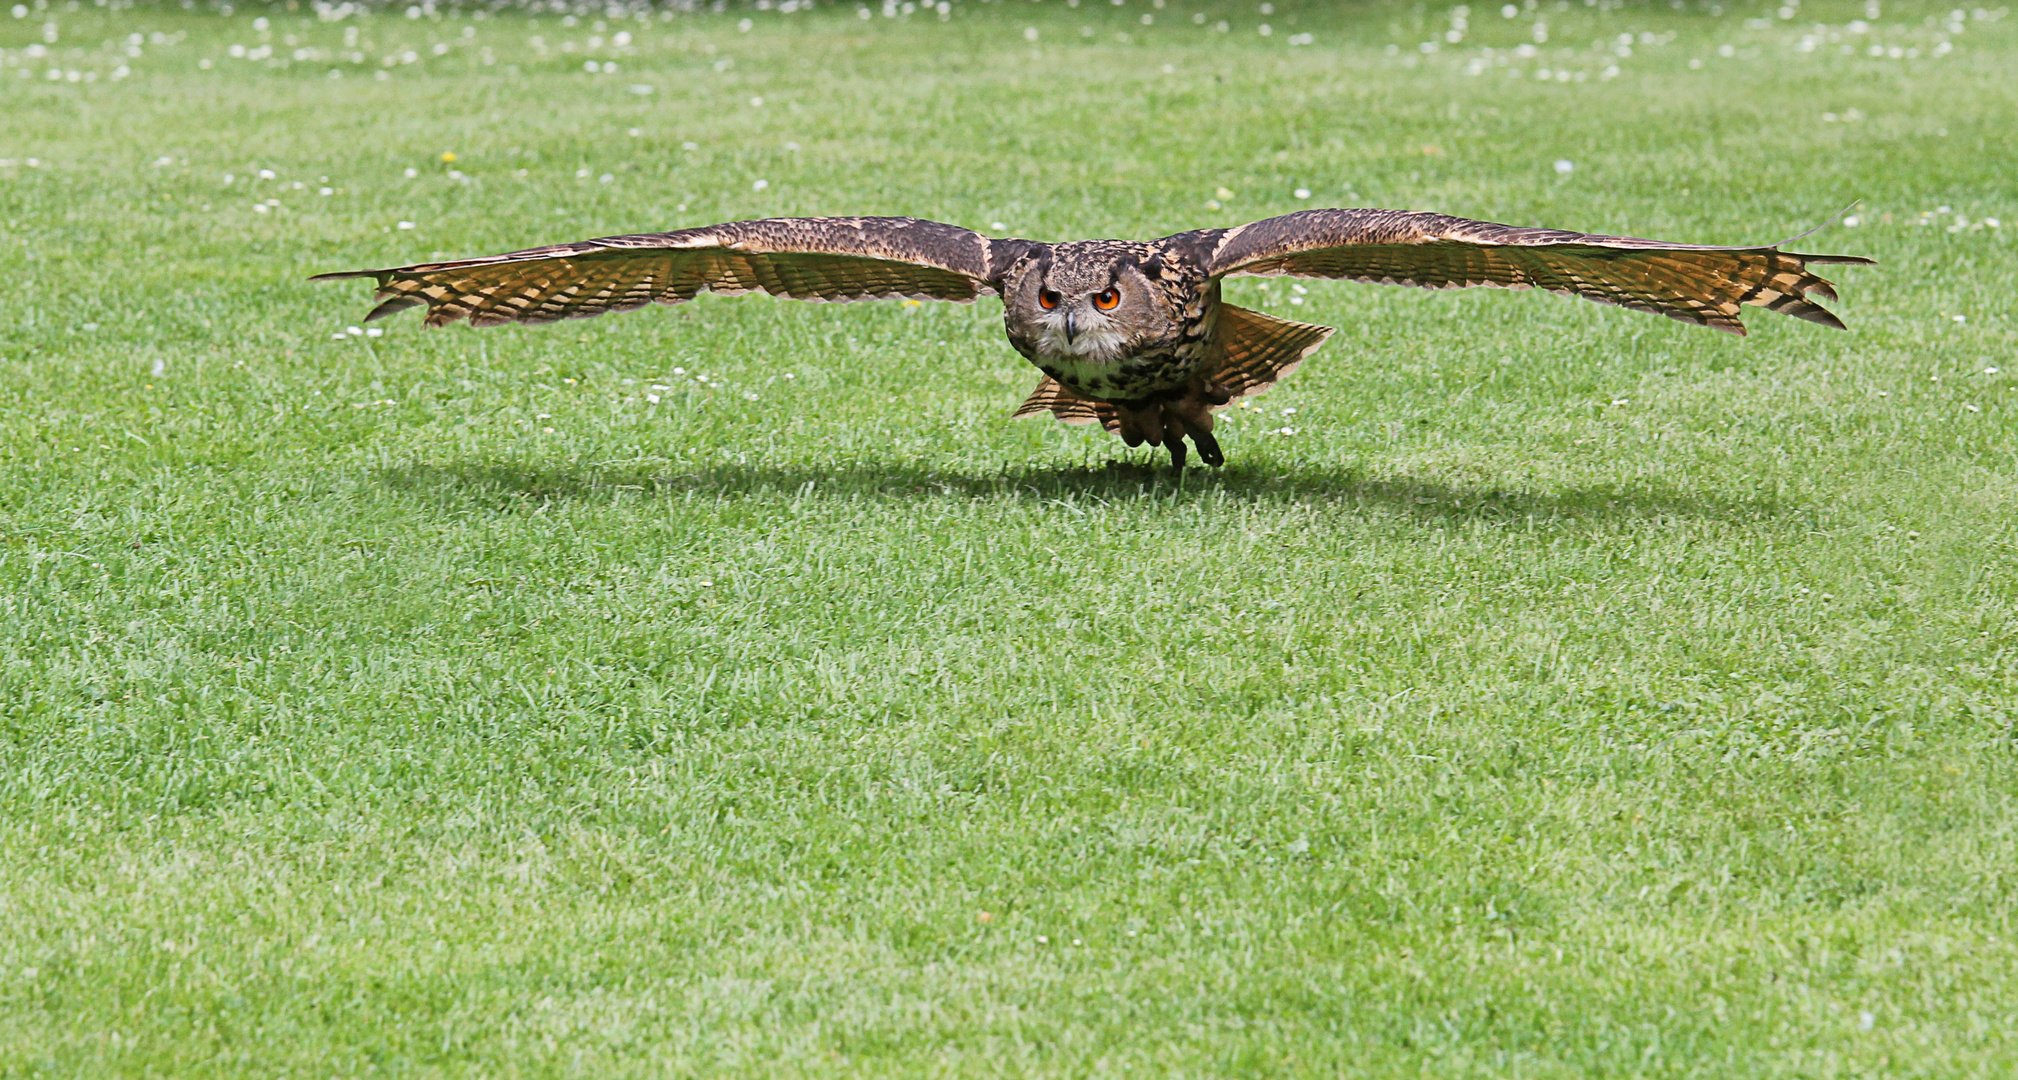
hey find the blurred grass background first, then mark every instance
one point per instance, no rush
(1543, 690)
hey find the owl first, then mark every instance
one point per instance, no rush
(1131, 335)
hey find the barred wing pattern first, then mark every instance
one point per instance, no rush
(850, 258)
(1692, 283)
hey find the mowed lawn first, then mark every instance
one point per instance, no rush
(1542, 690)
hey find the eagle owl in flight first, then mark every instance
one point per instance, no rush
(1132, 335)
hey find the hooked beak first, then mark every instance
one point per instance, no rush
(1071, 327)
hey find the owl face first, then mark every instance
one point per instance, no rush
(1084, 311)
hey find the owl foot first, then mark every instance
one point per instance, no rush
(1168, 424)
(1208, 448)
(1192, 416)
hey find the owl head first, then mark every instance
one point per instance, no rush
(1090, 306)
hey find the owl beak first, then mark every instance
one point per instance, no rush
(1071, 326)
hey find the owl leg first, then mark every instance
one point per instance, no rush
(1173, 437)
(1140, 425)
(1192, 416)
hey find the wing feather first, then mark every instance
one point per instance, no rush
(1693, 283)
(858, 258)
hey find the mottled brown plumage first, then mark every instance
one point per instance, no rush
(1131, 335)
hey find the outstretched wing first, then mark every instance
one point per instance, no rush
(1689, 282)
(840, 258)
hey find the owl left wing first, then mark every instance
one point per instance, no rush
(838, 258)
(1692, 283)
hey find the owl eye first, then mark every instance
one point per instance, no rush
(1106, 301)
(1047, 299)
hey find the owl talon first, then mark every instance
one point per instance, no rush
(1176, 447)
(1208, 448)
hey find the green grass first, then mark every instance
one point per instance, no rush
(1574, 693)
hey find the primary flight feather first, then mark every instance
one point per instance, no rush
(1131, 335)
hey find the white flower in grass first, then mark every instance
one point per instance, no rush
(405, 225)
(374, 332)
(759, 185)
(1302, 193)
(1565, 166)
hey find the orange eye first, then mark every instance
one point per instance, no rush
(1106, 301)
(1047, 299)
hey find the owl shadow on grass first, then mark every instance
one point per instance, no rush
(504, 486)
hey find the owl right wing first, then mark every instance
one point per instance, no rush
(1689, 282)
(837, 258)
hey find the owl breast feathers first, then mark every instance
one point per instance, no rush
(1131, 335)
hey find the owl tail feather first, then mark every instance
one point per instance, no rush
(1261, 349)
(1067, 406)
